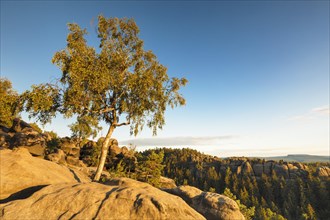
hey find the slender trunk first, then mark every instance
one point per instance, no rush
(104, 153)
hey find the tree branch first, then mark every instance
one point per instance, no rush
(121, 124)
(106, 110)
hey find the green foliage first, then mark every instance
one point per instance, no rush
(274, 197)
(10, 103)
(95, 155)
(84, 127)
(150, 167)
(42, 102)
(52, 134)
(52, 145)
(36, 127)
(247, 212)
(122, 81)
(119, 170)
(267, 213)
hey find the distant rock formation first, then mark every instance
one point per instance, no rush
(210, 205)
(245, 166)
(323, 171)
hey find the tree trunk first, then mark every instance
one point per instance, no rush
(104, 153)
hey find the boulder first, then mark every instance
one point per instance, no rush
(36, 150)
(28, 138)
(121, 199)
(19, 125)
(21, 134)
(57, 157)
(210, 205)
(323, 171)
(19, 170)
(4, 139)
(69, 147)
(247, 168)
(73, 160)
(166, 183)
(281, 170)
(300, 166)
(114, 150)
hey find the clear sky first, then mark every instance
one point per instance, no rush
(258, 71)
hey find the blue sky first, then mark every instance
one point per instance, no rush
(258, 71)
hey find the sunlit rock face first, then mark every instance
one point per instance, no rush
(210, 205)
(323, 171)
(244, 166)
(21, 134)
(42, 189)
(20, 170)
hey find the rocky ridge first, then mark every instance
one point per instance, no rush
(242, 166)
(43, 189)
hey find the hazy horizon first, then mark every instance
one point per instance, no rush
(258, 71)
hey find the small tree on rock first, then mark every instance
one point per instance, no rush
(10, 103)
(123, 84)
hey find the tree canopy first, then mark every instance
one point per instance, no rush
(122, 84)
(10, 103)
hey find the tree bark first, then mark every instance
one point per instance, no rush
(104, 153)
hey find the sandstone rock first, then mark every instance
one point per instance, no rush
(27, 139)
(69, 147)
(104, 174)
(124, 150)
(114, 150)
(258, 169)
(268, 167)
(19, 125)
(36, 150)
(4, 139)
(122, 199)
(323, 171)
(113, 142)
(31, 140)
(72, 160)
(281, 170)
(58, 157)
(19, 170)
(247, 168)
(300, 165)
(210, 205)
(21, 134)
(166, 183)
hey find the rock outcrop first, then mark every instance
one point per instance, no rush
(123, 199)
(323, 171)
(166, 183)
(41, 189)
(245, 166)
(210, 205)
(21, 134)
(19, 171)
